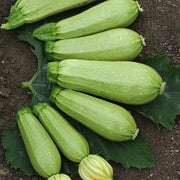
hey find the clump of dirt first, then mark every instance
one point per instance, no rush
(160, 26)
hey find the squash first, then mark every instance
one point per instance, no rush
(70, 142)
(42, 151)
(126, 82)
(106, 119)
(104, 16)
(113, 45)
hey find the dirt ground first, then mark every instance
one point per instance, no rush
(160, 25)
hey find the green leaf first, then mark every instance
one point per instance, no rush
(15, 150)
(164, 108)
(26, 34)
(39, 86)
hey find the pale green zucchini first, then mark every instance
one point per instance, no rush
(106, 119)
(94, 167)
(123, 81)
(60, 177)
(70, 142)
(41, 150)
(107, 15)
(115, 45)
(29, 11)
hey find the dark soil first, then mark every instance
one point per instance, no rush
(160, 25)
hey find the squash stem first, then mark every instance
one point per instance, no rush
(28, 85)
(55, 91)
(46, 32)
(143, 40)
(15, 19)
(139, 7)
(135, 134)
(163, 87)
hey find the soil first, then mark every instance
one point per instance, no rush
(160, 25)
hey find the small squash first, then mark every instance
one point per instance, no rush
(106, 119)
(42, 152)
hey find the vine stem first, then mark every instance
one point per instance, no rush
(28, 85)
